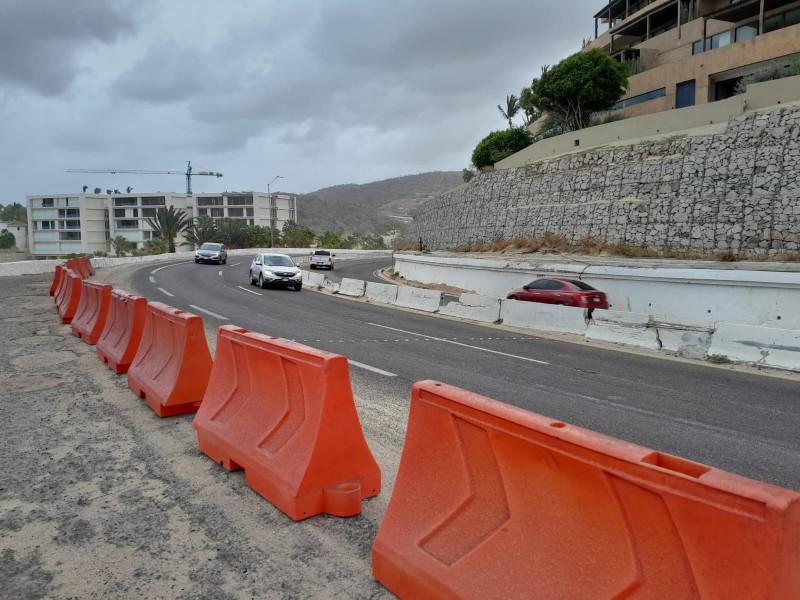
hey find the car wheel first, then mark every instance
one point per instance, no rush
(224, 262)
(312, 266)
(261, 283)
(331, 267)
(298, 287)
(252, 279)
(560, 304)
(197, 262)
(513, 298)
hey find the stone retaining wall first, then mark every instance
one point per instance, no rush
(739, 190)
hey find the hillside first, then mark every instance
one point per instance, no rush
(367, 208)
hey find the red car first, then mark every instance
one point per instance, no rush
(569, 292)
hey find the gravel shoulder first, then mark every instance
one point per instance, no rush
(99, 498)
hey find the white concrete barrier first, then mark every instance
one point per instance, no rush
(418, 298)
(631, 329)
(381, 292)
(317, 279)
(352, 287)
(544, 317)
(473, 307)
(688, 342)
(331, 286)
(766, 346)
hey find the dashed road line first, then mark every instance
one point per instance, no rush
(154, 271)
(152, 279)
(432, 338)
(244, 289)
(369, 368)
(208, 312)
(163, 291)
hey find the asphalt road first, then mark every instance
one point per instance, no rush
(729, 418)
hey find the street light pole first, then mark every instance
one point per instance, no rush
(269, 195)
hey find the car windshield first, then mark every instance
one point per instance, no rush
(322, 253)
(278, 261)
(209, 246)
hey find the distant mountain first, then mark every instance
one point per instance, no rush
(370, 207)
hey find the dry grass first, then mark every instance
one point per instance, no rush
(499, 245)
(788, 257)
(589, 245)
(479, 247)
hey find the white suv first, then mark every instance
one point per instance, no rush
(275, 270)
(321, 259)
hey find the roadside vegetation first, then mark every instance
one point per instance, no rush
(550, 243)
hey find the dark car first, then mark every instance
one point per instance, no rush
(212, 253)
(569, 292)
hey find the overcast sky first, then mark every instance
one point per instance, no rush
(321, 92)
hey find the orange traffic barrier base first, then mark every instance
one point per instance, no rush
(492, 501)
(285, 413)
(57, 275)
(92, 311)
(173, 363)
(69, 296)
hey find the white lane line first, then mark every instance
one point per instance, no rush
(208, 312)
(235, 264)
(220, 273)
(152, 279)
(154, 271)
(163, 291)
(373, 369)
(436, 339)
(244, 289)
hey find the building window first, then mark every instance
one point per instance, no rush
(128, 224)
(216, 212)
(69, 235)
(124, 201)
(149, 213)
(202, 212)
(235, 212)
(240, 200)
(48, 202)
(792, 17)
(640, 98)
(210, 201)
(746, 32)
(249, 211)
(154, 201)
(69, 213)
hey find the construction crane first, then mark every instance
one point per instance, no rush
(188, 173)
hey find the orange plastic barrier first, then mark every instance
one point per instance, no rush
(90, 317)
(492, 501)
(62, 286)
(59, 273)
(67, 302)
(76, 267)
(285, 413)
(173, 363)
(119, 342)
(86, 263)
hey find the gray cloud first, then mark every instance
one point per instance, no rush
(40, 40)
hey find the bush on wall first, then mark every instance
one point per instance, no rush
(499, 145)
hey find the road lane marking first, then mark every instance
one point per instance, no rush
(163, 291)
(154, 271)
(220, 272)
(373, 369)
(208, 312)
(436, 339)
(152, 279)
(244, 289)
(235, 264)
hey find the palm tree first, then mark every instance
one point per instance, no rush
(120, 244)
(512, 108)
(200, 230)
(232, 231)
(168, 223)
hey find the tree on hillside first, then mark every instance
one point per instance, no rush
(334, 238)
(14, 212)
(511, 110)
(168, 223)
(578, 86)
(201, 230)
(256, 236)
(499, 145)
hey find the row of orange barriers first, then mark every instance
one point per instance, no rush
(489, 501)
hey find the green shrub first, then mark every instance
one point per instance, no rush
(499, 145)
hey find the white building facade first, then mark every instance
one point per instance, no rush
(84, 223)
(19, 231)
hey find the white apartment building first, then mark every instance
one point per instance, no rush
(84, 223)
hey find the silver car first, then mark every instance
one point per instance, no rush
(275, 270)
(212, 253)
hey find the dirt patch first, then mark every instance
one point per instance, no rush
(389, 274)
